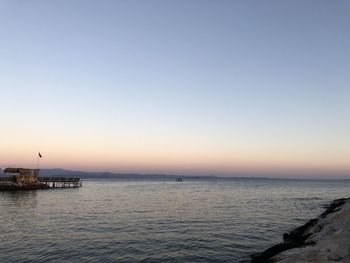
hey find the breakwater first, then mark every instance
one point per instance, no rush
(321, 239)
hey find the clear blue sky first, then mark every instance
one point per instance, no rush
(176, 86)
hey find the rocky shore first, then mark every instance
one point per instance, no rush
(323, 239)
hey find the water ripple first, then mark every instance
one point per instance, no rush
(157, 221)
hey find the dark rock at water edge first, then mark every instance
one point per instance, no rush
(297, 237)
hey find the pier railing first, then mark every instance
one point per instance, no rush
(61, 182)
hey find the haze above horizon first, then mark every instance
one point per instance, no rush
(184, 87)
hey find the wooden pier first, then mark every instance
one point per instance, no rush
(61, 182)
(28, 179)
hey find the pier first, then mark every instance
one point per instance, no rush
(29, 179)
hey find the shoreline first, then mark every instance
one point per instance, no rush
(319, 240)
(13, 184)
(15, 187)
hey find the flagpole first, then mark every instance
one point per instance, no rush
(39, 157)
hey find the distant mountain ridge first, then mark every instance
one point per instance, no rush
(58, 172)
(108, 175)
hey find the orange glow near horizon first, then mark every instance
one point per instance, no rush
(168, 157)
(144, 151)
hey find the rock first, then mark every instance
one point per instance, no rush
(323, 239)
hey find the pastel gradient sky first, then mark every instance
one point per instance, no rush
(181, 87)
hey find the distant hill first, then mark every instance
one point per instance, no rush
(107, 175)
(237, 176)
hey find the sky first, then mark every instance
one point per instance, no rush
(178, 87)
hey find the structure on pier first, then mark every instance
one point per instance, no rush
(23, 176)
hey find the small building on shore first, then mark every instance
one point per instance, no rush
(23, 176)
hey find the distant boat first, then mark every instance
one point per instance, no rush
(179, 180)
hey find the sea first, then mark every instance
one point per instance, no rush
(198, 220)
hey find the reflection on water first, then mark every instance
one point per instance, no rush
(19, 197)
(157, 221)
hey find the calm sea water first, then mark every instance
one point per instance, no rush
(157, 221)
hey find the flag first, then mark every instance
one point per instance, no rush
(40, 155)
